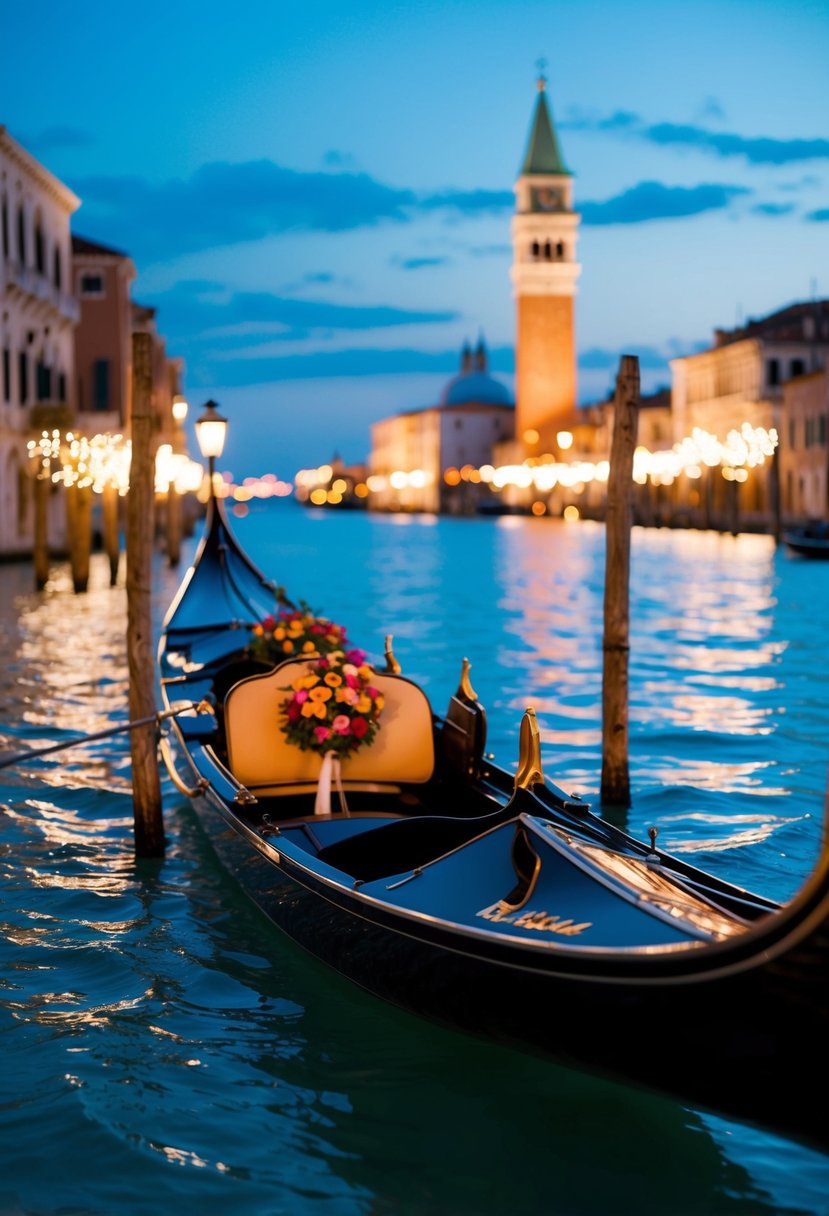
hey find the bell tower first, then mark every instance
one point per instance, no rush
(544, 273)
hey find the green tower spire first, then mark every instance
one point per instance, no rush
(543, 152)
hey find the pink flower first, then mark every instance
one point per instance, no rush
(294, 712)
(351, 680)
(301, 696)
(321, 733)
(268, 622)
(341, 725)
(374, 693)
(357, 657)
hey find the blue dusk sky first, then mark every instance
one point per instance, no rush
(317, 197)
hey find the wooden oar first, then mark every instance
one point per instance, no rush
(8, 761)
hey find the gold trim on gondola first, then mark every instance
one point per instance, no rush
(393, 668)
(530, 772)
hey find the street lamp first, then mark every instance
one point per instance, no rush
(211, 429)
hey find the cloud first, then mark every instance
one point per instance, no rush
(53, 138)
(316, 365)
(756, 150)
(469, 202)
(655, 201)
(773, 209)
(601, 358)
(419, 263)
(186, 311)
(227, 204)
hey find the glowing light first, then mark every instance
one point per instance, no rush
(564, 439)
(571, 513)
(531, 436)
(539, 508)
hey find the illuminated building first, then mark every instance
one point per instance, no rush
(544, 273)
(804, 448)
(415, 455)
(740, 379)
(37, 321)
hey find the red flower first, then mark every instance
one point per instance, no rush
(359, 726)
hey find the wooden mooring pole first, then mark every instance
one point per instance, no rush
(79, 533)
(40, 551)
(110, 530)
(615, 788)
(146, 783)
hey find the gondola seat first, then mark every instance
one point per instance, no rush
(266, 763)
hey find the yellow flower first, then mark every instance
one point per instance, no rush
(333, 679)
(309, 709)
(288, 647)
(342, 694)
(379, 702)
(279, 633)
(258, 631)
(363, 704)
(320, 694)
(304, 682)
(364, 672)
(308, 647)
(319, 709)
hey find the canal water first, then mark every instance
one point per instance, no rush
(164, 1049)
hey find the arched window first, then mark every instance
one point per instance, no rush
(536, 249)
(560, 249)
(5, 224)
(548, 251)
(40, 249)
(57, 269)
(21, 236)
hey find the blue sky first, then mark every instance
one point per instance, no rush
(318, 197)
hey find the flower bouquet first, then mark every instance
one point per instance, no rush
(295, 632)
(333, 709)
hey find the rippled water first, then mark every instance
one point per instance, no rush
(164, 1049)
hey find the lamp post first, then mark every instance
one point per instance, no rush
(211, 429)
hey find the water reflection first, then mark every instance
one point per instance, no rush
(150, 1008)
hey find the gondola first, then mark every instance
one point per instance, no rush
(489, 901)
(810, 540)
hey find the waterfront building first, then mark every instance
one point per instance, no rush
(804, 448)
(102, 279)
(544, 274)
(421, 459)
(740, 379)
(38, 315)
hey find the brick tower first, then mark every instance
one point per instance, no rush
(544, 273)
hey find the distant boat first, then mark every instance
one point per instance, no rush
(494, 903)
(810, 540)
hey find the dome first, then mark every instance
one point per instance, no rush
(473, 384)
(478, 388)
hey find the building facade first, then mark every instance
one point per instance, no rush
(544, 275)
(102, 278)
(741, 379)
(38, 316)
(421, 460)
(804, 448)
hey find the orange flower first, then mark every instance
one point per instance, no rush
(288, 647)
(320, 694)
(333, 680)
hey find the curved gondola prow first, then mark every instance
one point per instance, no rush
(240, 590)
